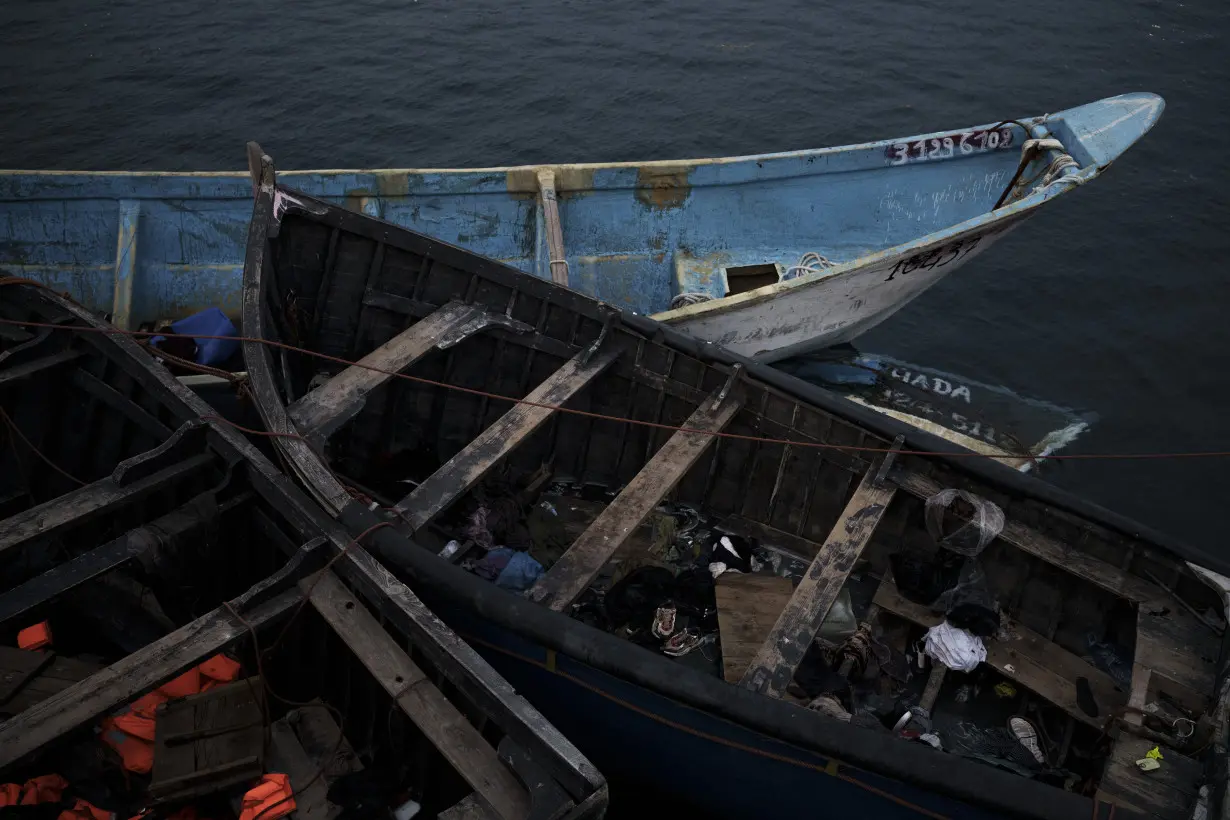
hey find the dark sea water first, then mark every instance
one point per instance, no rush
(1115, 301)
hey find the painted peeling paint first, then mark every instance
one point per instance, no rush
(635, 234)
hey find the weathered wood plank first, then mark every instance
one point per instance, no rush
(773, 667)
(1099, 572)
(554, 230)
(82, 504)
(1029, 659)
(469, 807)
(111, 397)
(136, 674)
(1167, 793)
(62, 578)
(576, 569)
(1180, 654)
(331, 405)
(457, 739)
(465, 469)
(747, 607)
(17, 372)
(935, 682)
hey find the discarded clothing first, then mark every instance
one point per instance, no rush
(269, 799)
(491, 565)
(476, 529)
(998, 746)
(955, 648)
(735, 551)
(970, 604)
(816, 676)
(519, 573)
(975, 619)
(923, 580)
(634, 600)
(1112, 659)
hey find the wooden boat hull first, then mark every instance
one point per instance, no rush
(720, 767)
(446, 337)
(119, 486)
(143, 247)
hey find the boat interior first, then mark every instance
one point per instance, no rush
(146, 552)
(711, 516)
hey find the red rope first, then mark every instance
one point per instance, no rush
(606, 417)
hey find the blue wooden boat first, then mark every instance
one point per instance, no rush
(1101, 620)
(769, 255)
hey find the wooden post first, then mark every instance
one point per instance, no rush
(555, 233)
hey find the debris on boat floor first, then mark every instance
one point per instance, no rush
(928, 671)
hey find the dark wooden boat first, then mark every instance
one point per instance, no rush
(1071, 580)
(150, 538)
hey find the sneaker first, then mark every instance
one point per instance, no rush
(831, 706)
(1028, 736)
(681, 643)
(664, 621)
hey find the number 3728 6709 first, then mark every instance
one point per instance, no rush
(950, 145)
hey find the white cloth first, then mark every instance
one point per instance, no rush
(955, 648)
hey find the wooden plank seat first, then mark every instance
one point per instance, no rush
(1031, 660)
(577, 567)
(328, 407)
(84, 503)
(1167, 793)
(445, 726)
(1175, 654)
(773, 667)
(467, 467)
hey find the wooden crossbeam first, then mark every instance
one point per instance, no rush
(127, 679)
(64, 577)
(457, 739)
(773, 667)
(465, 469)
(576, 568)
(1031, 660)
(1029, 540)
(331, 405)
(85, 503)
(15, 373)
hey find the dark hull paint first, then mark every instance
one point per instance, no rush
(724, 769)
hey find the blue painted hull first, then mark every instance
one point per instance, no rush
(892, 217)
(724, 769)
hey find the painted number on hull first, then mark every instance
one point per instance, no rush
(938, 258)
(950, 145)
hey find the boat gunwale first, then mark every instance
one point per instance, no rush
(691, 162)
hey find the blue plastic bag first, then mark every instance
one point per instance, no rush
(520, 573)
(209, 322)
